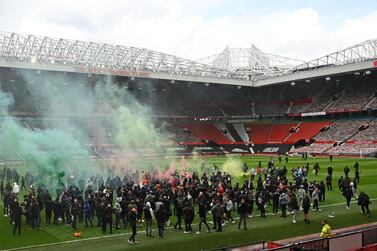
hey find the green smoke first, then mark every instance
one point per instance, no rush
(47, 152)
(74, 116)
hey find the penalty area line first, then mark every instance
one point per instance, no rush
(124, 234)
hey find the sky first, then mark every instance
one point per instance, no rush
(192, 29)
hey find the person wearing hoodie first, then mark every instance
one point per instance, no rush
(306, 208)
(132, 219)
(117, 210)
(301, 195)
(364, 202)
(188, 217)
(148, 217)
(203, 218)
(88, 212)
(315, 198)
(74, 210)
(107, 218)
(283, 201)
(47, 201)
(244, 212)
(161, 216)
(179, 212)
(294, 206)
(218, 212)
(17, 217)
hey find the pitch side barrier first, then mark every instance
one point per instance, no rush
(352, 240)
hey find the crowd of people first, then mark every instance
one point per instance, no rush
(142, 198)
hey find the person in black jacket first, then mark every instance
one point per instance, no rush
(306, 208)
(346, 171)
(107, 218)
(57, 209)
(179, 212)
(17, 216)
(275, 202)
(329, 182)
(218, 212)
(203, 218)
(132, 219)
(330, 170)
(161, 216)
(47, 200)
(347, 193)
(244, 212)
(188, 217)
(364, 202)
(74, 210)
(261, 204)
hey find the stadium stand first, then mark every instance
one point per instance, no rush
(279, 132)
(258, 132)
(353, 148)
(341, 130)
(316, 148)
(208, 132)
(369, 134)
(355, 97)
(306, 130)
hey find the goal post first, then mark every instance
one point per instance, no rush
(368, 152)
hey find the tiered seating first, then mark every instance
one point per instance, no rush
(319, 103)
(340, 130)
(279, 132)
(354, 149)
(373, 105)
(350, 101)
(183, 135)
(369, 134)
(355, 98)
(313, 148)
(306, 130)
(258, 133)
(208, 132)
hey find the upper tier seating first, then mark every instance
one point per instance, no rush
(340, 130)
(306, 130)
(208, 132)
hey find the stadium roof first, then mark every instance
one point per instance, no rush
(235, 66)
(251, 61)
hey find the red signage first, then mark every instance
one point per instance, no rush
(375, 63)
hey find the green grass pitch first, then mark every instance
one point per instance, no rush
(259, 229)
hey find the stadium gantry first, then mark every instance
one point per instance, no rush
(236, 66)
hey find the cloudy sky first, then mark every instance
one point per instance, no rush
(193, 29)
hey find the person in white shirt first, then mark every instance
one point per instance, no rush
(16, 189)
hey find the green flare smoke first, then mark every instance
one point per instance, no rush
(60, 148)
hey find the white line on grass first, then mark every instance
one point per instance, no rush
(123, 234)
